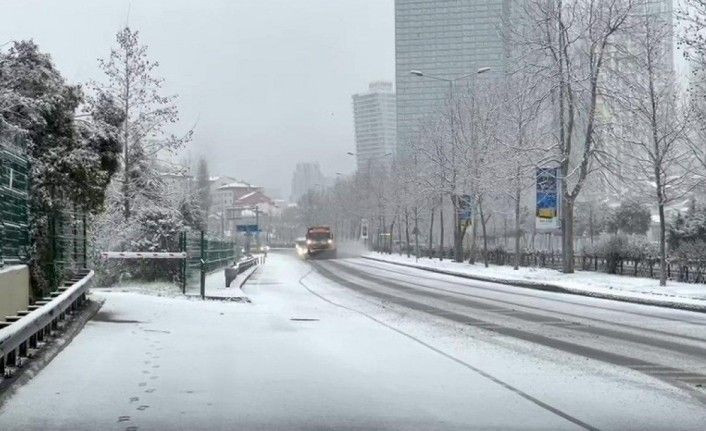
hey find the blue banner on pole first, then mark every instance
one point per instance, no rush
(465, 209)
(547, 207)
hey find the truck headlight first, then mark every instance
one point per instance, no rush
(330, 241)
(308, 241)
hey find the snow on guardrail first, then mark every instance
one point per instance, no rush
(231, 273)
(26, 331)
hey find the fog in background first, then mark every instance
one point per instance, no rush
(267, 83)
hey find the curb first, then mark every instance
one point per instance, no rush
(553, 288)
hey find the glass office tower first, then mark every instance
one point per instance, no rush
(446, 38)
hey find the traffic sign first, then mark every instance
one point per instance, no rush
(248, 228)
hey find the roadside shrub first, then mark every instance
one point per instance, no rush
(690, 250)
(690, 227)
(618, 248)
(614, 250)
(690, 256)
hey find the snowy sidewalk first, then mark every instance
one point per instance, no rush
(686, 296)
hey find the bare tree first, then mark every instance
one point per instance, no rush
(566, 43)
(652, 122)
(521, 109)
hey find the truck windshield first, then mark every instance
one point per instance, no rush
(319, 235)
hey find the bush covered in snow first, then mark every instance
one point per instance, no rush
(153, 228)
(616, 249)
(687, 228)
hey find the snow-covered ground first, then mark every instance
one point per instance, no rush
(624, 287)
(308, 353)
(153, 288)
(215, 287)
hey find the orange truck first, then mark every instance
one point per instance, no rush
(319, 242)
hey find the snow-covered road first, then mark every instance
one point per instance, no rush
(355, 344)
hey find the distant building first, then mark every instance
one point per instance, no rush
(234, 202)
(447, 39)
(228, 193)
(307, 176)
(375, 118)
(177, 182)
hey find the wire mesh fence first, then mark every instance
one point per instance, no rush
(204, 254)
(68, 244)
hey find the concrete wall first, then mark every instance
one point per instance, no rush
(14, 290)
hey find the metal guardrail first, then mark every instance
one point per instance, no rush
(24, 334)
(231, 273)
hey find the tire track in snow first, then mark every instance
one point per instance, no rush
(490, 377)
(671, 346)
(477, 285)
(676, 377)
(527, 306)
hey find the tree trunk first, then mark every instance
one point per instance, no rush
(662, 247)
(517, 228)
(441, 227)
(458, 233)
(416, 233)
(406, 230)
(431, 233)
(392, 229)
(567, 240)
(485, 235)
(399, 236)
(474, 236)
(505, 231)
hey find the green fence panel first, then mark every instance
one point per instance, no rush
(216, 254)
(14, 183)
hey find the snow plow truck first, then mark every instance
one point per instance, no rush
(320, 243)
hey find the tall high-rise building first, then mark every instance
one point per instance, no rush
(307, 176)
(375, 124)
(443, 38)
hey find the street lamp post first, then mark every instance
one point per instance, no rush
(458, 241)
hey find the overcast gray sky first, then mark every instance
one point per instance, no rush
(269, 81)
